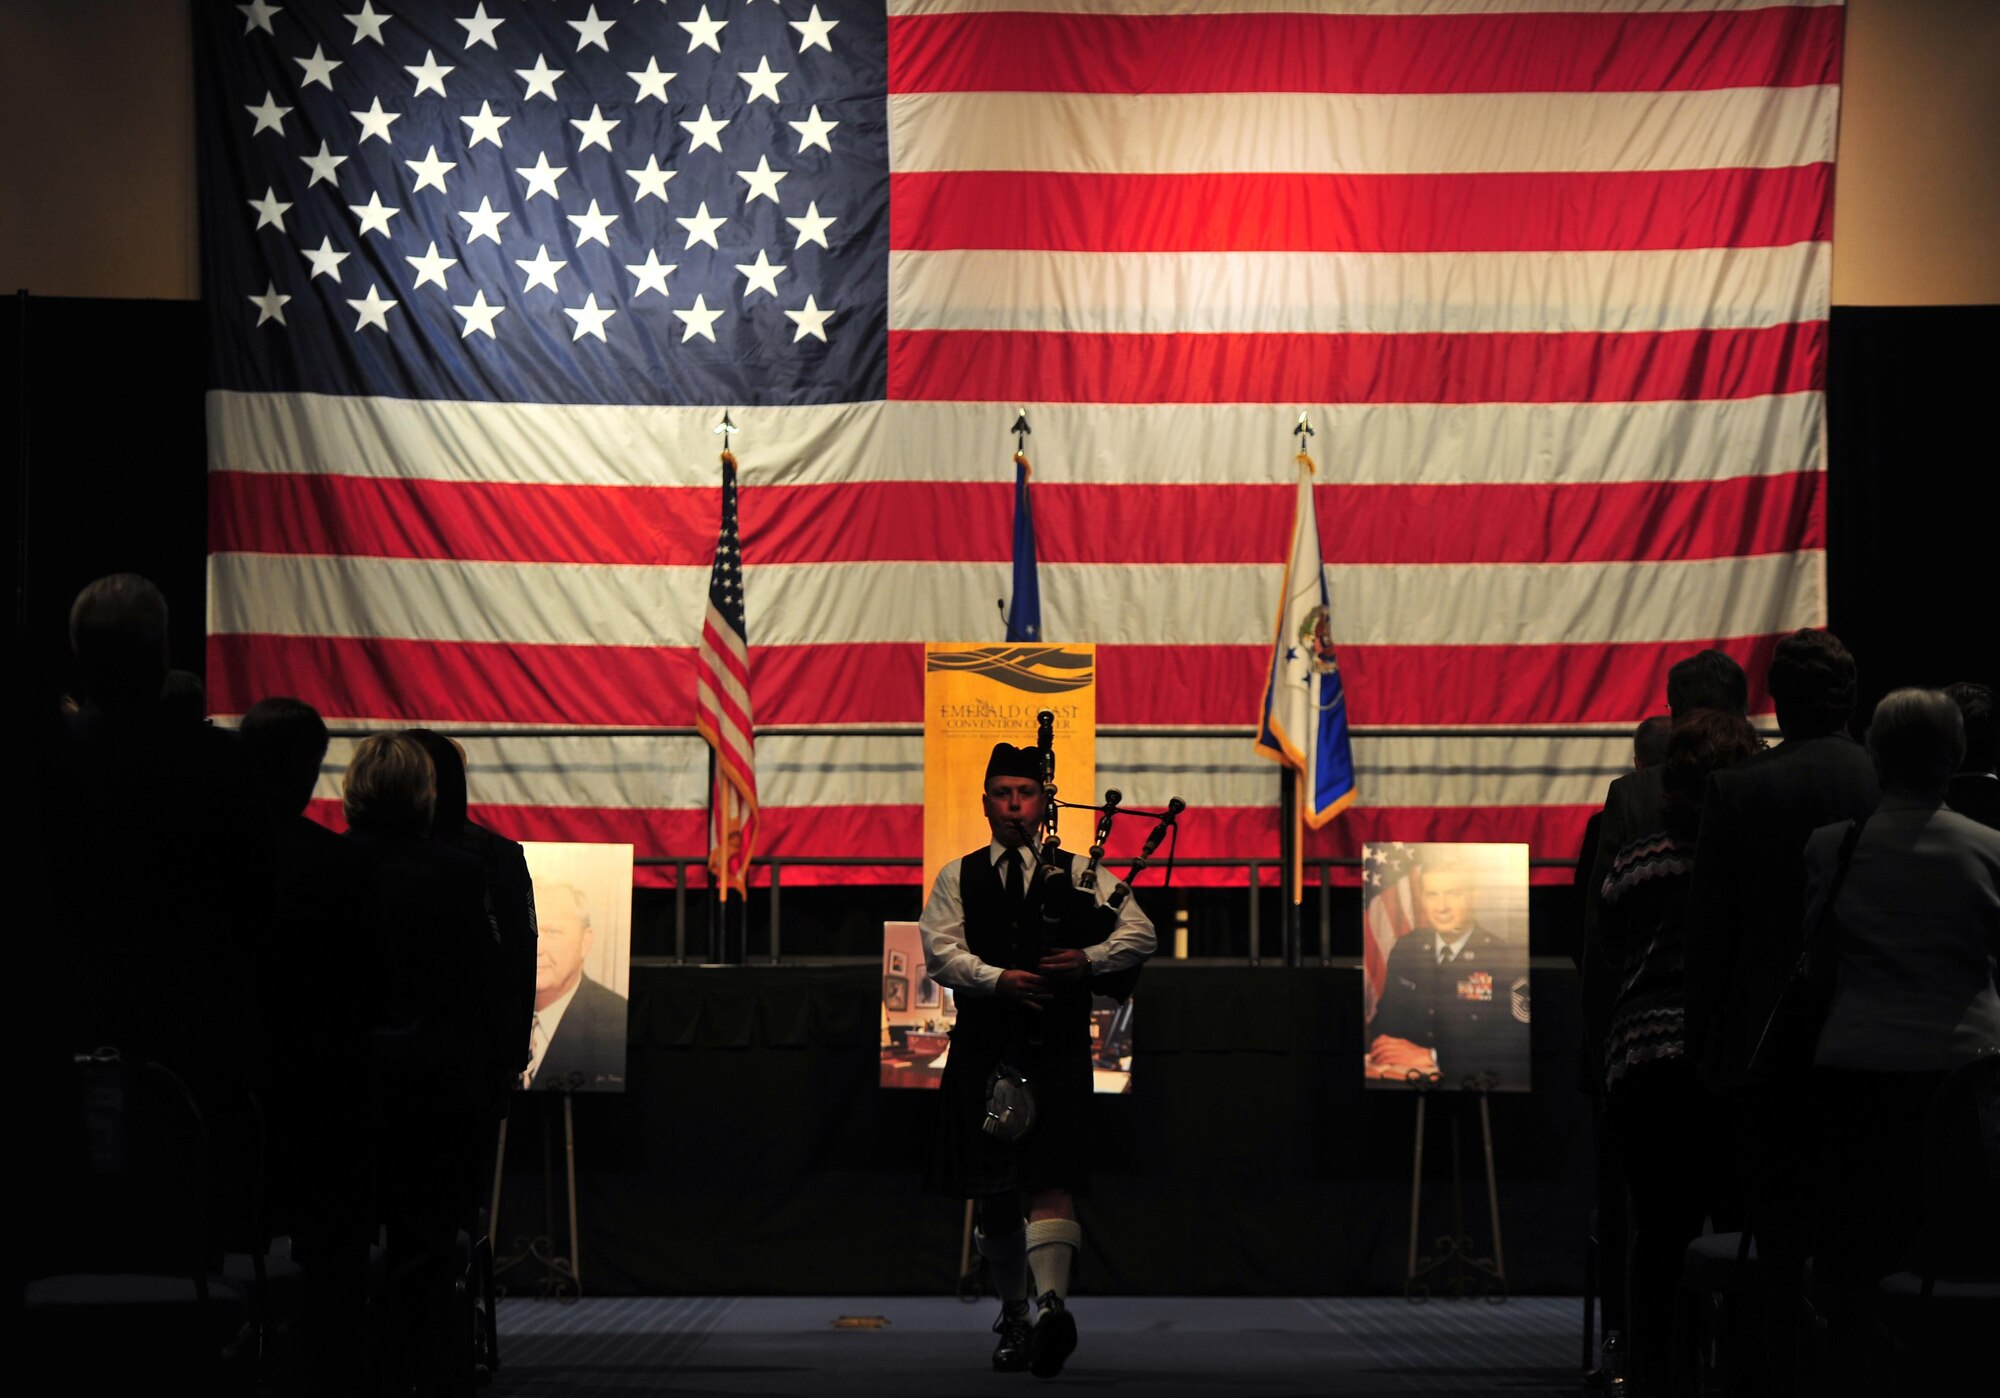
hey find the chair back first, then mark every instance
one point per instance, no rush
(144, 1201)
(1959, 1239)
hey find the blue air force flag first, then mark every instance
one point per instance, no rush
(1303, 722)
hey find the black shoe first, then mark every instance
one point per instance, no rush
(1015, 1330)
(1054, 1338)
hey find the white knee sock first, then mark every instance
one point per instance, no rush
(1007, 1259)
(1052, 1245)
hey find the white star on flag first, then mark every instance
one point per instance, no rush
(652, 274)
(271, 305)
(763, 83)
(484, 221)
(594, 129)
(323, 166)
(704, 32)
(318, 69)
(542, 177)
(430, 267)
(763, 181)
(430, 171)
(257, 15)
(815, 31)
(810, 321)
(762, 274)
(593, 227)
(701, 227)
(374, 215)
(541, 270)
(592, 30)
(478, 316)
(375, 122)
(814, 130)
(812, 228)
(540, 78)
(589, 318)
(270, 116)
(325, 261)
(373, 310)
(706, 131)
(485, 125)
(479, 30)
(270, 210)
(367, 24)
(429, 74)
(652, 82)
(699, 320)
(652, 180)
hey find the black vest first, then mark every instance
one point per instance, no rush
(999, 930)
(1010, 935)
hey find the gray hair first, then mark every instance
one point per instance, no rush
(1917, 737)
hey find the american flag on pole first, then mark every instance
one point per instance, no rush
(1551, 277)
(722, 705)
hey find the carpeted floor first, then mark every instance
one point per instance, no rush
(1129, 1345)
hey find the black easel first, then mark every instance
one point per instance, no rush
(1469, 1273)
(561, 1276)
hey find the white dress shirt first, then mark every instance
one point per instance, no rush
(951, 962)
(549, 1019)
(1448, 951)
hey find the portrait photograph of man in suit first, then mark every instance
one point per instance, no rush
(583, 941)
(1449, 927)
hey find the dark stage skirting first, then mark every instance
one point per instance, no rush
(753, 1151)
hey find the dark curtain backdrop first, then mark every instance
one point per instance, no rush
(753, 1151)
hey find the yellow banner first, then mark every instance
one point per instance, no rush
(979, 695)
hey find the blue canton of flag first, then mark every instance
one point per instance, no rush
(674, 204)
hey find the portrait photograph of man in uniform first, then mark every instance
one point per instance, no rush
(1021, 946)
(577, 1037)
(1446, 930)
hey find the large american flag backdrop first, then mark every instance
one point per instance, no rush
(1551, 276)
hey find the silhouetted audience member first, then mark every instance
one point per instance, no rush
(1649, 749)
(1746, 928)
(160, 854)
(510, 907)
(1634, 805)
(1975, 787)
(434, 1054)
(326, 930)
(1917, 922)
(1670, 1140)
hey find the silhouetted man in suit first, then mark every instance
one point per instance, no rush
(578, 1026)
(510, 907)
(1746, 924)
(1974, 790)
(319, 1106)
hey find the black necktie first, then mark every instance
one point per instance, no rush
(1014, 888)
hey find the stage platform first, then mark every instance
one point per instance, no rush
(1152, 1347)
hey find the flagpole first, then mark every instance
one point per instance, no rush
(718, 939)
(718, 883)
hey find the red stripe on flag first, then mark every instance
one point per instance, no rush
(1000, 366)
(631, 686)
(948, 521)
(1525, 212)
(256, 512)
(1146, 54)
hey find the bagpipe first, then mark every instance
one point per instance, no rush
(1071, 913)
